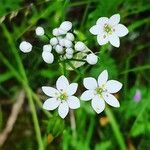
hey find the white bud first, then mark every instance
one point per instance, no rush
(48, 57)
(25, 47)
(61, 31)
(55, 32)
(68, 43)
(80, 46)
(70, 36)
(47, 47)
(69, 51)
(61, 42)
(39, 31)
(66, 25)
(59, 49)
(92, 59)
(68, 56)
(53, 41)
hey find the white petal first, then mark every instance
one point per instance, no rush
(87, 95)
(73, 102)
(101, 21)
(114, 40)
(51, 104)
(102, 39)
(95, 30)
(110, 99)
(50, 91)
(121, 30)
(72, 88)
(98, 104)
(62, 83)
(90, 83)
(102, 78)
(114, 20)
(113, 86)
(63, 109)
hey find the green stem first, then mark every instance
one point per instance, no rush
(115, 128)
(35, 119)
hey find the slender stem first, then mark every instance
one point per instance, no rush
(115, 128)
(35, 119)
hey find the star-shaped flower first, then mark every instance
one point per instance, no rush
(109, 30)
(61, 97)
(101, 91)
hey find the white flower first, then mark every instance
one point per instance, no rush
(66, 26)
(69, 51)
(53, 41)
(109, 30)
(80, 46)
(48, 57)
(68, 56)
(25, 47)
(59, 49)
(61, 41)
(92, 59)
(55, 32)
(61, 31)
(68, 43)
(47, 47)
(61, 97)
(101, 91)
(39, 31)
(70, 36)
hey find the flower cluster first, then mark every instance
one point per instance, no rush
(64, 45)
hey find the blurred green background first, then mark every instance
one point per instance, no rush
(22, 75)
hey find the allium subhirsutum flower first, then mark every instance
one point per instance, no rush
(61, 97)
(101, 91)
(109, 30)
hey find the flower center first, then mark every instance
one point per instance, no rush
(63, 96)
(108, 29)
(99, 90)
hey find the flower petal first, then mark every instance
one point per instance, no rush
(121, 30)
(51, 104)
(110, 99)
(102, 20)
(50, 91)
(113, 86)
(62, 83)
(95, 30)
(102, 78)
(114, 20)
(63, 109)
(73, 102)
(87, 95)
(72, 88)
(98, 104)
(90, 83)
(114, 40)
(102, 39)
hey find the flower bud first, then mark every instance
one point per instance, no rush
(80, 46)
(92, 59)
(39, 31)
(66, 25)
(53, 41)
(68, 43)
(55, 32)
(68, 56)
(70, 36)
(61, 31)
(48, 57)
(25, 47)
(47, 47)
(69, 51)
(59, 49)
